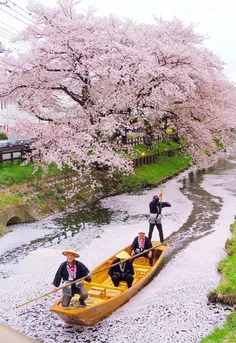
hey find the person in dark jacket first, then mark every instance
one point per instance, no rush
(141, 243)
(123, 271)
(69, 271)
(155, 207)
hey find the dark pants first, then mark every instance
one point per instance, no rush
(159, 228)
(116, 278)
(65, 301)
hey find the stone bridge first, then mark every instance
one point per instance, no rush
(15, 215)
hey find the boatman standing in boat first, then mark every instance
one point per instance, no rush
(69, 271)
(141, 243)
(123, 271)
(155, 207)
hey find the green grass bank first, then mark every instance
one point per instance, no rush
(226, 293)
(11, 174)
(149, 175)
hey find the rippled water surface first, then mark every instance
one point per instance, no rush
(173, 307)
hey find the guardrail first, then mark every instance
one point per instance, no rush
(136, 140)
(149, 159)
(12, 153)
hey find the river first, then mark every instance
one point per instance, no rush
(173, 307)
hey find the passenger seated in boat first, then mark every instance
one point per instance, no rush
(123, 271)
(69, 271)
(141, 243)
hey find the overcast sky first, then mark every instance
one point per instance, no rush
(215, 18)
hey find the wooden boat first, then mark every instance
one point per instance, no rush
(103, 297)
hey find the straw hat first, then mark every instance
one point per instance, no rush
(123, 255)
(70, 251)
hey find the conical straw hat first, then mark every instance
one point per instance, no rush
(70, 251)
(123, 255)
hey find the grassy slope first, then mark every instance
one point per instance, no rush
(140, 149)
(152, 173)
(227, 286)
(15, 173)
(225, 335)
(7, 200)
(228, 267)
(167, 165)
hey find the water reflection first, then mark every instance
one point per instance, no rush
(206, 207)
(68, 224)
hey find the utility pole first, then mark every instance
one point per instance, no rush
(1, 46)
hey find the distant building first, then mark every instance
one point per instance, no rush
(8, 119)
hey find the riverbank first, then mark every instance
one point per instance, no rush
(56, 191)
(226, 293)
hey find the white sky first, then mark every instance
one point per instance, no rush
(215, 18)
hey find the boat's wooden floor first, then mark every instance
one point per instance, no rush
(97, 291)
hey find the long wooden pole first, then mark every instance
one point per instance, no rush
(161, 200)
(84, 277)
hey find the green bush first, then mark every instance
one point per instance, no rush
(49, 193)
(3, 136)
(219, 145)
(40, 196)
(59, 189)
(207, 152)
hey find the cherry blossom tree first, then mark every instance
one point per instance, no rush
(94, 76)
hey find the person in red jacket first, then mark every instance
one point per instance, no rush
(69, 271)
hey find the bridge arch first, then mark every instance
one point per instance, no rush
(15, 215)
(14, 220)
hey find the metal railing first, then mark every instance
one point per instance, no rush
(149, 159)
(12, 154)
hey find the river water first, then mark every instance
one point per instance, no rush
(173, 307)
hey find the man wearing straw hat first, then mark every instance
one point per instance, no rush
(69, 271)
(123, 271)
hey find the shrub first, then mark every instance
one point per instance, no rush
(3, 136)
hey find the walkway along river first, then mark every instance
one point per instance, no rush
(173, 307)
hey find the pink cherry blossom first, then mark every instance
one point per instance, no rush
(93, 76)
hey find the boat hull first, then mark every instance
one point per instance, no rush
(91, 315)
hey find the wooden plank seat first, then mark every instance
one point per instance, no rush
(97, 292)
(141, 260)
(123, 284)
(112, 293)
(141, 271)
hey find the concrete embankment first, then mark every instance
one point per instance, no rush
(9, 335)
